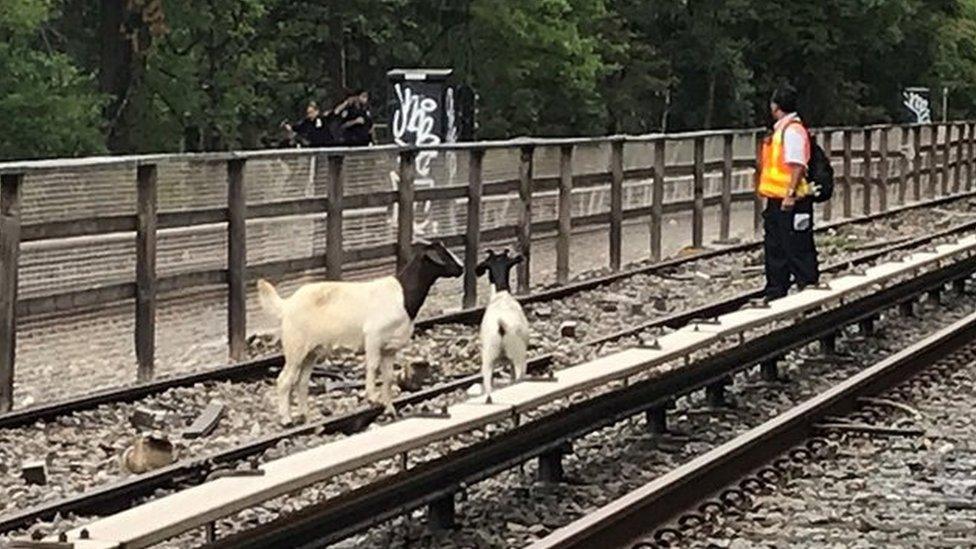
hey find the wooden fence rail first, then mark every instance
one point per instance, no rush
(949, 147)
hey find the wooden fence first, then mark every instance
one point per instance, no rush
(945, 176)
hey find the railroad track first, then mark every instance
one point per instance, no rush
(658, 513)
(120, 494)
(431, 480)
(265, 366)
(430, 483)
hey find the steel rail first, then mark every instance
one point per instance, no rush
(259, 368)
(626, 519)
(117, 495)
(440, 478)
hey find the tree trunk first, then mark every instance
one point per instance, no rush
(336, 56)
(710, 104)
(114, 71)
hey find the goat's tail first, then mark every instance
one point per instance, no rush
(269, 299)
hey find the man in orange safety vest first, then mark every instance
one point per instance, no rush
(788, 217)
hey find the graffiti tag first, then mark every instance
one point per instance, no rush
(918, 105)
(413, 123)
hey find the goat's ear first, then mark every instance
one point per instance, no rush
(518, 259)
(480, 268)
(435, 256)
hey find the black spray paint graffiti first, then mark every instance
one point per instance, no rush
(416, 121)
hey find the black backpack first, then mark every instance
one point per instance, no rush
(820, 174)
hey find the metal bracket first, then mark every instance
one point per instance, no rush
(548, 377)
(430, 414)
(654, 345)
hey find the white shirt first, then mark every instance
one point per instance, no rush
(794, 141)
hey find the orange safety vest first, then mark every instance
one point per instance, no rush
(774, 180)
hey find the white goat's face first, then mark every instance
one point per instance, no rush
(445, 263)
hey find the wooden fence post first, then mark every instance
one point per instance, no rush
(883, 169)
(957, 163)
(933, 162)
(405, 194)
(918, 162)
(866, 171)
(236, 260)
(657, 199)
(472, 235)
(698, 209)
(903, 166)
(946, 156)
(828, 206)
(524, 271)
(728, 156)
(10, 192)
(969, 154)
(757, 201)
(616, 202)
(146, 271)
(848, 168)
(333, 224)
(565, 213)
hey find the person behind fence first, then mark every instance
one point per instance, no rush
(313, 130)
(789, 247)
(357, 121)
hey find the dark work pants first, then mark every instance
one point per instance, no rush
(789, 247)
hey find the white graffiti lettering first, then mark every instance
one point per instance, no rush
(415, 117)
(919, 106)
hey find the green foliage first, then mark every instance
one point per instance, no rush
(48, 106)
(219, 74)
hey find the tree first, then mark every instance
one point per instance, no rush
(49, 107)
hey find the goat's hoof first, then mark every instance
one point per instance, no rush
(488, 399)
(299, 419)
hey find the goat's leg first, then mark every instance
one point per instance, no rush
(517, 352)
(294, 352)
(386, 372)
(489, 354)
(373, 358)
(302, 390)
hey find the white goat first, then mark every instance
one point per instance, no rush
(376, 316)
(504, 328)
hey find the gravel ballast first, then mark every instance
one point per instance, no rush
(82, 450)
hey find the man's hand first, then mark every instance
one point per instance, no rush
(354, 122)
(788, 203)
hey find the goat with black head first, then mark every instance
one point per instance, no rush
(375, 316)
(504, 328)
